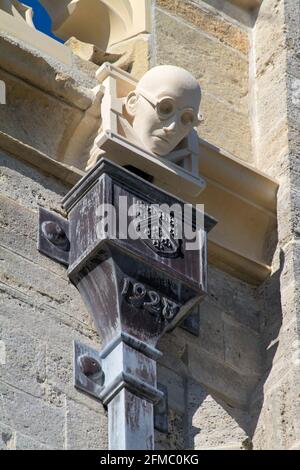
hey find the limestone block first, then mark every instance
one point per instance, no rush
(85, 428)
(29, 187)
(209, 21)
(19, 233)
(271, 97)
(2, 92)
(27, 443)
(234, 297)
(269, 34)
(211, 422)
(14, 26)
(90, 52)
(174, 439)
(25, 365)
(175, 387)
(231, 133)
(278, 423)
(2, 353)
(230, 10)
(173, 347)
(30, 415)
(273, 146)
(290, 268)
(7, 438)
(35, 119)
(247, 4)
(44, 288)
(284, 206)
(55, 328)
(222, 71)
(225, 383)
(211, 332)
(135, 55)
(294, 106)
(242, 348)
(60, 78)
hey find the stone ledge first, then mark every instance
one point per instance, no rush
(44, 70)
(243, 200)
(68, 174)
(21, 30)
(240, 198)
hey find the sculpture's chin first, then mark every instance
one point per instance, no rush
(161, 153)
(159, 148)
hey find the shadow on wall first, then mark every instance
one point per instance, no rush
(212, 422)
(271, 326)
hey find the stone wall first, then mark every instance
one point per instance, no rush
(236, 385)
(41, 313)
(211, 378)
(277, 41)
(215, 48)
(261, 88)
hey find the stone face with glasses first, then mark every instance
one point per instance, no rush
(147, 126)
(164, 108)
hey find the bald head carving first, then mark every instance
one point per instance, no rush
(164, 107)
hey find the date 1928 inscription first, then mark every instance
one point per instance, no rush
(138, 295)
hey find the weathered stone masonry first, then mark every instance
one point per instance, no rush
(234, 386)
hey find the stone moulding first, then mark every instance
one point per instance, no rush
(243, 200)
(17, 27)
(101, 22)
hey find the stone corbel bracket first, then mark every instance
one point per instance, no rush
(135, 289)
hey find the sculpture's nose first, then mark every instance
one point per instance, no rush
(171, 128)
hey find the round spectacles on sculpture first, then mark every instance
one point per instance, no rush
(164, 108)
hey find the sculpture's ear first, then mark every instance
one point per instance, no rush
(131, 102)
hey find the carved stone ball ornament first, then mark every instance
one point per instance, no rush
(164, 107)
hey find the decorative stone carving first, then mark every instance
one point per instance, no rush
(164, 108)
(148, 125)
(18, 10)
(135, 288)
(155, 116)
(99, 22)
(91, 52)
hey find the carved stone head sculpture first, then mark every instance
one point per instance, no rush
(164, 108)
